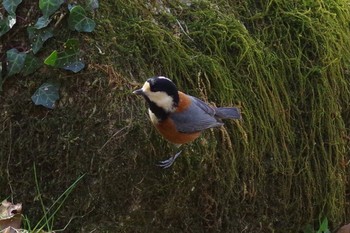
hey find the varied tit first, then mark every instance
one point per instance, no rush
(178, 117)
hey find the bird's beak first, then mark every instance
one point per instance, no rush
(138, 92)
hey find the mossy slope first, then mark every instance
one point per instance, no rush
(285, 63)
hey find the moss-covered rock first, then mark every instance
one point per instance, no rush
(284, 63)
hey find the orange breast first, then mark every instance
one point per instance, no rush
(168, 130)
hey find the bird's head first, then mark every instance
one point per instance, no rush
(160, 91)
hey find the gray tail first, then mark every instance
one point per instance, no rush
(233, 113)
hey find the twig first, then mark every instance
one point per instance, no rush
(122, 129)
(100, 50)
(8, 163)
(59, 19)
(183, 30)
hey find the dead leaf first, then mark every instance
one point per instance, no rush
(344, 229)
(10, 215)
(13, 230)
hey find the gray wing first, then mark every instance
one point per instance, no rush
(199, 116)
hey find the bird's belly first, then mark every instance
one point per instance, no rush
(168, 130)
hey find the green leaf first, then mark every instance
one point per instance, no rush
(46, 95)
(70, 6)
(48, 7)
(324, 227)
(74, 66)
(6, 24)
(92, 4)
(31, 64)
(51, 59)
(71, 45)
(11, 5)
(38, 37)
(15, 61)
(42, 22)
(78, 20)
(70, 58)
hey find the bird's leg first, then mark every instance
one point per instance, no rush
(168, 162)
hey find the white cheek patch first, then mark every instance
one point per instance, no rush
(162, 99)
(146, 87)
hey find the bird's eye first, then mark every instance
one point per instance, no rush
(154, 89)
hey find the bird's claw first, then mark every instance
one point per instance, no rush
(168, 162)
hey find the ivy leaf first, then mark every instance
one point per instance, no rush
(11, 20)
(31, 64)
(46, 95)
(74, 66)
(70, 58)
(4, 26)
(11, 5)
(38, 37)
(70, 6)
(15, 61)
(51, 59)
(7, 23)
(78, 20)
(92, 4)
(48, 7)
(71, 46)
(42, 22)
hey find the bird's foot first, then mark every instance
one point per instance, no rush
(168, 162)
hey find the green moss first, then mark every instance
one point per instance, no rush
(285, 63)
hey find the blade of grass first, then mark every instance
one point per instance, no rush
(48, 217)
(39, 195)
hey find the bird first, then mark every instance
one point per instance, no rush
(180, 118)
